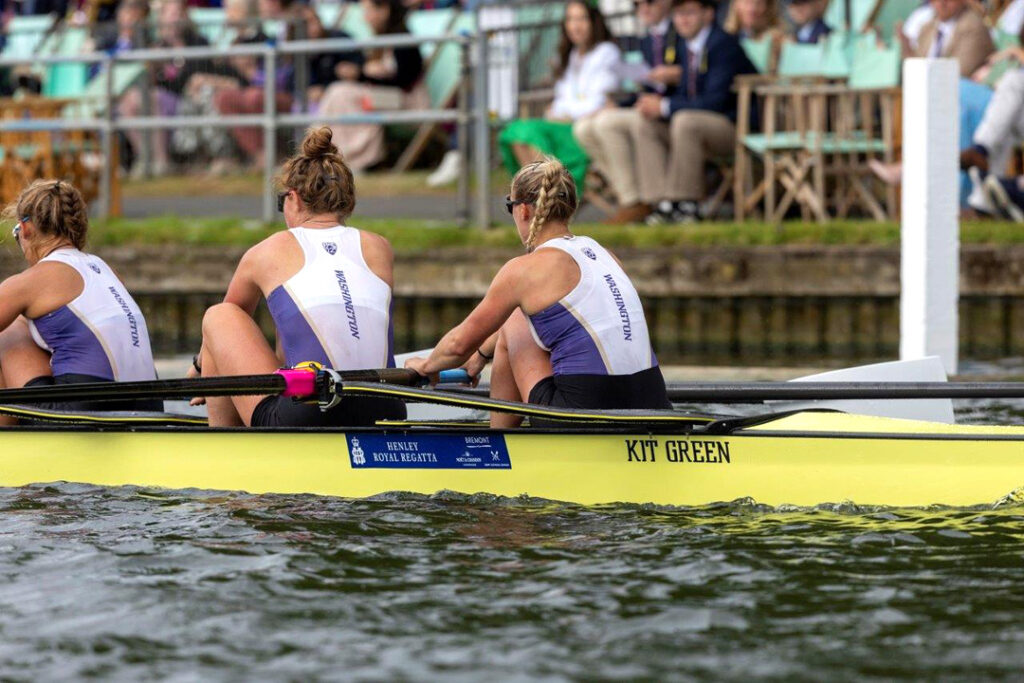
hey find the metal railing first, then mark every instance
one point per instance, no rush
(473, 113)
(105, 121)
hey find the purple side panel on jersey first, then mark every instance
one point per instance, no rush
(298, 340)
(75, 348)
(573, 351)
(391, 334)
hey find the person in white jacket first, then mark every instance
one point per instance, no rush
(587, 74)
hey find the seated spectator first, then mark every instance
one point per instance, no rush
(174, 29)
(323, 66)
(587, 74)
(241, 25)
(909, 31)
(127, 33)
(757, 20)
(608, 137)
(808, 20)
(388, 79)
(246, 97)
(958, 32)
(677, 134)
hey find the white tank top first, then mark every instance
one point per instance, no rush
(335, 310)
(102, 333)
(599, 327)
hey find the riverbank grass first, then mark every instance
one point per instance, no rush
(408, 235)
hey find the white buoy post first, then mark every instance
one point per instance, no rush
(930, 257)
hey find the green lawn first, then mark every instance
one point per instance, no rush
(414, 235)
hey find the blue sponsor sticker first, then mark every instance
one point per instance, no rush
(429, 451)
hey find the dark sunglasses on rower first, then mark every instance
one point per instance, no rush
(511, 203)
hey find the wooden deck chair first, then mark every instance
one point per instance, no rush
(65, 79)
(25, 34)
(443, 74)
(862, 129)
(784, 107)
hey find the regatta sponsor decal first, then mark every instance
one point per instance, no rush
(429, 451)
(94, 268)
(694, 450)
(133, 324)
(627, 328)
(589, 253)
(350, 309)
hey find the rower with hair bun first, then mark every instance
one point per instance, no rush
(328, 288)
(67, 318)
(563, 323)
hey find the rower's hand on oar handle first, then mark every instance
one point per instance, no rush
(417, 365)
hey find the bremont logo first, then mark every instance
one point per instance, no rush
(331, 248)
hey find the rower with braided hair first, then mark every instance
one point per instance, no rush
(67, 318)
(563, 323)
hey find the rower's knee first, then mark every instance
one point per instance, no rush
(220, 315)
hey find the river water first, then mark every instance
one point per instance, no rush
(130, 583)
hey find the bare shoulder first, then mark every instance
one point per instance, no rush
(378, 244)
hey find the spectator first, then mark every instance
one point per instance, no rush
(677, 134)
(389, 79)
(608, 136)
(808, 20)
(174, 30)
(241, 25)
(956, 31)
(246, 97)
(1000, 132)
(128, 32)
(587, 74)
(757, 20)
(323, 66)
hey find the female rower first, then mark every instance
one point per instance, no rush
(67, 318)
(570, 328)
(328, 288)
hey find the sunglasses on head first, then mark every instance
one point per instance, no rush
(281, 196)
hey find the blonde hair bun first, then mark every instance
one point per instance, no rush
(317, 143)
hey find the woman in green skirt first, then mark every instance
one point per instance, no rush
(587, 73)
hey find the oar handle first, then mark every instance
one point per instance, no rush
(302, 381)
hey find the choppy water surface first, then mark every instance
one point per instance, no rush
(134, 583)
(131, 583)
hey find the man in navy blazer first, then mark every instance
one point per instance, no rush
(678, 132)
(607, 135)
(808, 20)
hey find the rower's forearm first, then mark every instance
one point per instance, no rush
(451, 352)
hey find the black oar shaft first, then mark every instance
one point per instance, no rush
(248, 385)
(186, 388)
(753, 392)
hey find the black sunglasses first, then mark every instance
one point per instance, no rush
(511, 203)
(281, 196)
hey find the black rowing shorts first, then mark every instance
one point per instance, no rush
(148, 405)
(644, 390)
(282, 411)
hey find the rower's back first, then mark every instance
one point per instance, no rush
(101, 334)
(335, 310)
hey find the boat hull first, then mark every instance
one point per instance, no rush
(808, 459)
